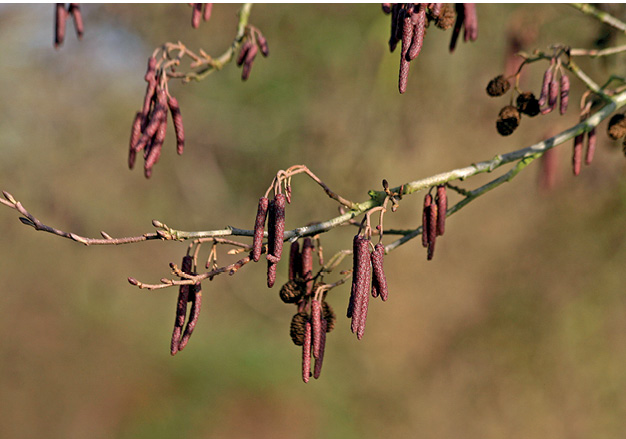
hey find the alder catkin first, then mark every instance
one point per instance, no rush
(470, 22)
(295, 261)
(259, 226)
(428, 199)
(378, 271)
(74, 11)
(177, 120)
(195, 296)
(135, 134)
(247, 64)
(307, 263)
(196, 15)
(271, 231)
(591, 146)
(458, 24)
(395, 14)
(60, 19)
(155, 149)
(407, 36)
(553, 93)
(317, 369)
(363, 276)
(181, 306)
(208, 8)
(564, 91)
(279, 226)
(419, 30)
(329, 316)
(316, 326)
(545, 86)
(442, 208)
(577, 153)
(262, 43)
(306, 353)
(432, 230)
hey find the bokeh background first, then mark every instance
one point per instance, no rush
(516, 329)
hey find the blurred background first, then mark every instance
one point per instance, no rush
(516, 329)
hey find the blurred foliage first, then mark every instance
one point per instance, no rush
(515, 329)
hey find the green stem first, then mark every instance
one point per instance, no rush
(604, 17)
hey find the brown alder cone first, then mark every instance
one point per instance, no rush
(508, 120)
(60, 19)
(135, 134)
(329, 316)
(432, 230)
(528, 104)
(378, 271)
(498, 86)
(442, 208)
(74, 11)
(291, 292)
(296, 328)
(181, 306)
(319, 360)
(151, 79)
(617, 126)
(295, 261)
(306, 353)
(195, 297)
(316, 326)
(307, 263)
(428, 199)
(446, 17)
(407, 36)
(259, 226)
(177, 120)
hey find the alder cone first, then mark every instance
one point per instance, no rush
(291, 292)
(445, 19)
(296, 329)
(617, 127)
(528, 104)
(508, 120)
(498, 86)
(329, 316)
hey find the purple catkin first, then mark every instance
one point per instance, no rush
(196, 15)
(407, 36)
(243, 53)
(316, 326)
(553, 94)
(378, 271)
(295, 263)
(577, 153)
(545, 86)
(442, 208)
(262, 43)
(363, 275)
(355, 265)
(74, 11)
(247, 64)
(458, 24)
(271, 230)
(435, 9)
(418, 34)
(428, 199)
(208, 8)
(279, 226)
(470, 22)
(135, 134)
(259, 226)
(150, 130)
(157, 143)
(150, 78)
(395, 13)
(177, 120)
(591, 146)
(564, 83)
(317, 370)
(306, 353)
(374, 287)
(181, 306)
(432, 230)
(195, 297)
(307, 264)
(60, 19)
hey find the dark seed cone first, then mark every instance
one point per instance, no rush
(591, 146)
(291, 292)
(296, 329)
(442, 208)
(181, 307)
(307, 264)
(306, 353)
(379, 272)
(195, 296)
(60, 19)
(445, 19)
(564, 92)
(259, 226)
(319, 360)
(617, 126)
(177, 120)
(196, 15)
(508, 120)
(316, 326)
(295, 261)
(428, 199)
(545, 86)
(498, 86)
(74, 11)
(528, 104)
(329, 316)
(432, 230)
(577, 153)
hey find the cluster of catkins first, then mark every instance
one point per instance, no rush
(551, 90)
(314, 317)
(617, 129)
(366, 266)
(60, 20)
(200, 11)
(253, 42)
(186, 294)
(274, 212)
(434, 219)
(410, 20)
(150, 124)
